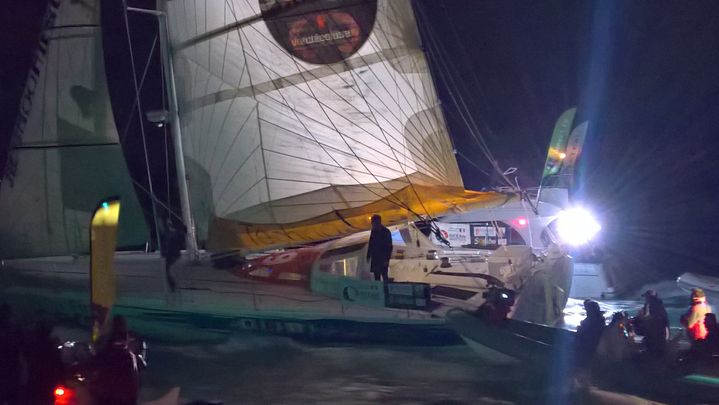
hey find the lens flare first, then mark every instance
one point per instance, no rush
(577, 226)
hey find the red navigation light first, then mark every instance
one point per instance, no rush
(321, 22)
(521, 221)
(64, 396)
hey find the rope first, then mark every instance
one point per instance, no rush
(142, 126)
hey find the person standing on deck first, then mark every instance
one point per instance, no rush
(379, 250)
(172, 242)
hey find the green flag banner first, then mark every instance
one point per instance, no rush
(558, 145)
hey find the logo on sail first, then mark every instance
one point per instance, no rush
(320, 31)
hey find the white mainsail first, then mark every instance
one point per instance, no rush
(307, 114)
(66, 150)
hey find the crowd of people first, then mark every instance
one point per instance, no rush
(607, 345)
(31, 364)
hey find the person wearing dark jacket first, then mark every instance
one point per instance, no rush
(44, 365)
(653, 324)
(171, 244)
(10, 358)
(379, 250)
(590, 331)
(116, 368)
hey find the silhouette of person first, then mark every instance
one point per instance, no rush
(379, 250)
(171, 246)
(117, 369)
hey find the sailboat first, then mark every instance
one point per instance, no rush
(293, 123)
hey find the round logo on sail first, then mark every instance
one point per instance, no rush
(320, 31)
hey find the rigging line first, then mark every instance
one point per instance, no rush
(321, 123)
(209, 114)
(157, 200)
(165, 133)
(470, 125)
(217, 137)
(390, 69)
(142, 83)
(62, 146)
(395, 155)
(230, 207)
(239, 82)
(232, 102)
(285, 104)
(406, 206)
(460, 154)
(198, 115)
(345, 221)
(232, 145)
(386, 178)
(237, 171)
(420, 163)
(471, 116)
(305, 127)
(139, 115)
(434, 46)
(379, 29)
(259, 132)
(482, 99)
(324, 183)
(453, 89)
(337, 74)
(411, 141)
(350, 121)
(191, 117)
(446, 147)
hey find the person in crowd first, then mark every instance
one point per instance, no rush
(379, 250)
(693, 319)
(653, 323)
(614, 345)
(116, 369)
(10, 358)
(590, 331)
(44, 365)
(711, 342)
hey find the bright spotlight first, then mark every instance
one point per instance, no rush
(577, 226)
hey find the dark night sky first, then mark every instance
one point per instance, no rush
(644, 74)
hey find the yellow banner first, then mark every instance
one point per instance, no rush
(103, 241)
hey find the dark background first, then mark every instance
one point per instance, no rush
(645, 74)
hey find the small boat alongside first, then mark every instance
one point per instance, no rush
(552, 350)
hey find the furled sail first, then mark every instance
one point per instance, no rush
(66, 153)
(302, 118)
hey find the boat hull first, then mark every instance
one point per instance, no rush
(510, 341)
(210, 304)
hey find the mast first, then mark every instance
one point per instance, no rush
(174, 121)
(190, 237)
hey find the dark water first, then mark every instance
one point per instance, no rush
(252, 369)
